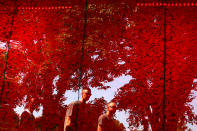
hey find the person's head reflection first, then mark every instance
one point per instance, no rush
(85, 94)
(111, 108)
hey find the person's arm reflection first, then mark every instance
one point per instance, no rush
(99, 128)
(67, 123)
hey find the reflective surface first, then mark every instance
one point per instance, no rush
(142, 58)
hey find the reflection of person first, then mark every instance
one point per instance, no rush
(27, 118)
(77, 112)
(106, 121)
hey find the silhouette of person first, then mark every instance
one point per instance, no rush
(27, 118)
(77, 113)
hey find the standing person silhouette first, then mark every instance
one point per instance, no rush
(106, 121)
(77, 113)
(27, 121)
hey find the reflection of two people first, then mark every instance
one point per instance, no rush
(77, 112)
